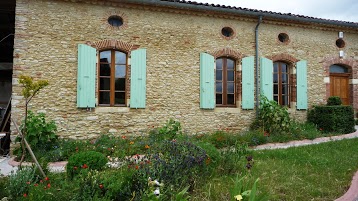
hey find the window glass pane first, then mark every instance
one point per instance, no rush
(219, 99)
(104, 84)
(275, 89)
(120, 84)
(338, 69)
(283, 67)
(219, 74)
(284, 89)
(230, 75)
(284, 100)
(219, 64)
(284, 78)
(230, 64)
(119, 98)
(103, 97)
(105, 70)
(275, 98)
(230, 87)
(105, 56)
(120, 71)
(230, 99)
(120, 58)
(275, 78)
(275, 67)
(219, 87)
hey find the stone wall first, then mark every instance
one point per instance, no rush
(48, 32)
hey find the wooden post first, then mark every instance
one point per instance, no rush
(29, 148)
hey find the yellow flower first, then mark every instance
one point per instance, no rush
(238, 197)
(131, 142)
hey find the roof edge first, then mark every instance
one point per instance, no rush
(182, 4)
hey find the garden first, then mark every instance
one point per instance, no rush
(169, 164)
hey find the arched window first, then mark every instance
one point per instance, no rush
(225, 82)
(281, 83)
(338, 69)
(112, 78)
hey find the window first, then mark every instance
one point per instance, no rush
(281, 83)
(225, 82)
(283, 38)
(112, 78)
(338, 69)
(115, 21)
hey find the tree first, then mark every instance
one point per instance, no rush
(30, 89)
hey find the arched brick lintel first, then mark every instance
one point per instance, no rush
(113, 44)
(283, 57)
(348, 63)
(227, 52)
(352, 66)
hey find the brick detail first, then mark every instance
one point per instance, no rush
(284, 57)
(228, 52)
(348, 63)
(352, 66)
(238, 85)
(113, 44)
(293, 88)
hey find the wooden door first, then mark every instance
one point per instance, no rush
(340, 86)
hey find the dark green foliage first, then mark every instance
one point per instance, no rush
(334, 100)
(219, 139)
(19, 182)
(338, 119)
(213, 154)
(4, 181)
(117, 184)
(39, 132)
(176, 164)
(82, 161)
(171, 130)
(272, 117)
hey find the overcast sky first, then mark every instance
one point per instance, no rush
(344, 10)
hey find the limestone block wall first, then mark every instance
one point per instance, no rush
(48, 32)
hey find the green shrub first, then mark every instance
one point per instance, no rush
(20, 182)
(39, 132)
(3, 183)
(213, 155)
(272, 117)
(117, 184)
(231, 157)
(337, 118)
(176, 164)
(171, 130)
(83, 161)
(334, 100)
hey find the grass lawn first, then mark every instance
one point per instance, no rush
(315, 172)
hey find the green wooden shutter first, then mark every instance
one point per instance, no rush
(248, 83)
(138, 78)
(207, 82)
(301, 69)
(86, 76)
(266, 74)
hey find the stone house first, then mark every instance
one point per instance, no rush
(125, 66)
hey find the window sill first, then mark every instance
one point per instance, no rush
(112, 109)
(232, 110)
